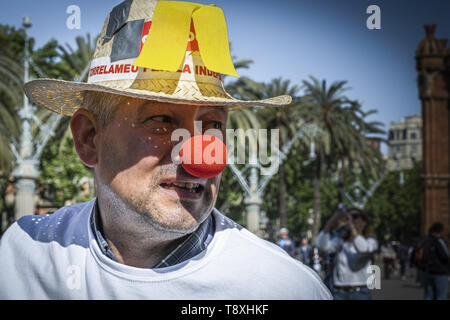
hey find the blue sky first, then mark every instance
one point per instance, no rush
(294, 39)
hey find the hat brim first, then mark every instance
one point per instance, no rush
(65, 97)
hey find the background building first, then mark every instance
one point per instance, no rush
(405, 143)
(433, 67)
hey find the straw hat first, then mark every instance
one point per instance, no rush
(122, 42)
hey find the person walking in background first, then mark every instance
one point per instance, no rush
(403, 257)
(285, 242)
(388, 256)
(411, 261)
(417, 261)
(305, 252)
(437, 264)
(353, 248)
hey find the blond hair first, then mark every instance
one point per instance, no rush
(102, 105)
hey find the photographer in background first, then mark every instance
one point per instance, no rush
(353, 249)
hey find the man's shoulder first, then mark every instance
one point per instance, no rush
(241, 238)
(267, 259)
(244, 236)
(65, 226)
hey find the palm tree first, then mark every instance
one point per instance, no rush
(46, 61)
(75, 61)
(245, 89)
(11, 94)
(10, 99)
(343, 133)
(285, 119)
(73, 65)
(282, 118)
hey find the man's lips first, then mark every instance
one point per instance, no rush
(184, 188)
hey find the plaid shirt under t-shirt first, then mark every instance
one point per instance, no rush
(193, 245)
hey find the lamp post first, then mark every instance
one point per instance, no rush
(310, 222)
(401, 178)
(361, 193)
(253, 202)
(28, 153)
(26, 170)
(254, 188)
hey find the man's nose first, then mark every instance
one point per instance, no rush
(194, 126)
(191, 123)
(186, 121)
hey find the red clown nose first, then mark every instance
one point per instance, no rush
(204, 156)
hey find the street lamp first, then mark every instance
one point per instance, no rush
(310, 222)
(362, 194)
(26, 170)
(28, 153)
(254, 188)
(26, 22)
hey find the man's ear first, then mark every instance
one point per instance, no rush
(85, 132)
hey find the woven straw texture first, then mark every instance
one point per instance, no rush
(65, 97)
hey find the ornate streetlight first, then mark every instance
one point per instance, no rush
(254, 188)
(362, 194)
(26, 170)
(28, 154)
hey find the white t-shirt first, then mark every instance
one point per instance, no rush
(352, 258)
(57, 257)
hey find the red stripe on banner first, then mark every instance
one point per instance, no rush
(145, 31)
(192, 44)
(192, 41)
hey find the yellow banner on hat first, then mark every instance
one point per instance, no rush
(165, 46)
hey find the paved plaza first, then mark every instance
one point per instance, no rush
(397, 289)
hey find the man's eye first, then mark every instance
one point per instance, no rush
(159, 124)
(160, 118)
(214, 125)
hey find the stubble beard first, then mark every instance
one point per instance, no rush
(140, 213)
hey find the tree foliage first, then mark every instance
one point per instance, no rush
(12, 42)
(61, 171)
(396, 208)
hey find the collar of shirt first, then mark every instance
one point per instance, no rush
(193, 245)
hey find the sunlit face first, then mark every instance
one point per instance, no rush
(135, 163)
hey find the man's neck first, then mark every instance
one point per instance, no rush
(133, 244)
(137, 253)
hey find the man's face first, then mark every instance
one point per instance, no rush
(134, 161)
